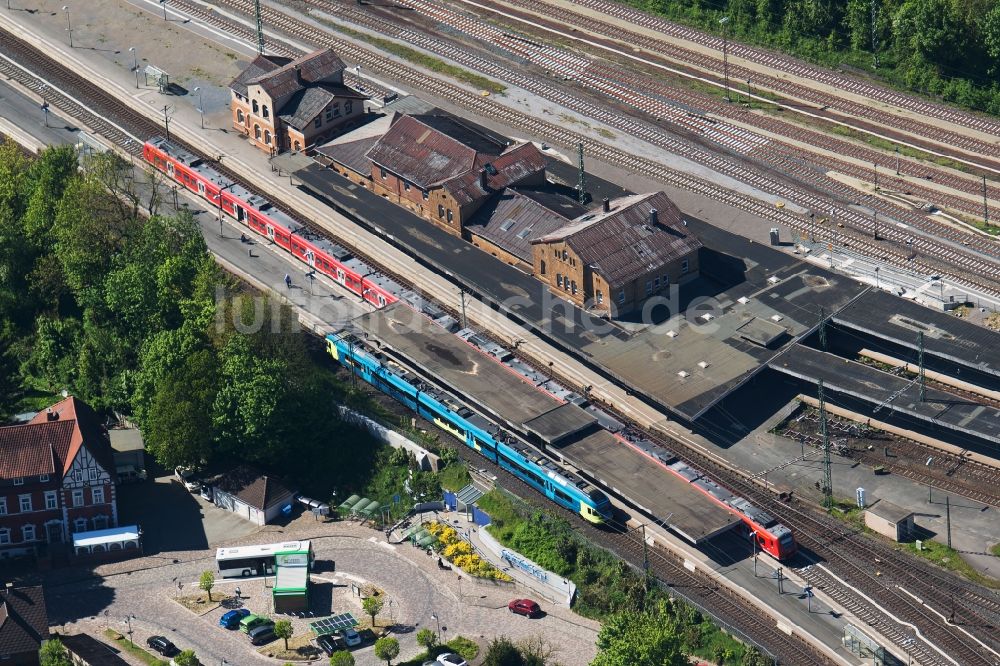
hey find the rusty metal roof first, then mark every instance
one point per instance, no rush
(351, 154)
(624, 244)
(515, 217)
(441, 150)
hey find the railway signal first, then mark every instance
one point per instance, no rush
(809, 598)
(45, 112)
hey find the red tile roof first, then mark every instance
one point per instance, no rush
(50, 441)
(24, 623)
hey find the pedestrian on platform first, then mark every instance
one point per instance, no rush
(288, 281)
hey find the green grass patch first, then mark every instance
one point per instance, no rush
(950, 559)
(420, 58)
(995, 550)
(139, 653)
(454, 476)
(905, 151)
(468, 649)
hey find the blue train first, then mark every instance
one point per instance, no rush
(476, 432)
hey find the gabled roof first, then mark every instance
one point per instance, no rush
(307, 70)
(258, 67)
(304, 105)
(24, 623)
(92, 651)
(250, 486)
(516, 216)
(51, 440)
(622, 244)
(442, 150)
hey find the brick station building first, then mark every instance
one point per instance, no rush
(282, 104)
(56, 478)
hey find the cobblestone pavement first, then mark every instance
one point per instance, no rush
(417, 588)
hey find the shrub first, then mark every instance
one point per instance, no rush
(465, 647)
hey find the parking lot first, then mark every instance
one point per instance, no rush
(173, 519)
(414, 587)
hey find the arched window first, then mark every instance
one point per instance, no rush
(256, 109)
(256, 132)
(240, 118)
(267, 113)
(267, 137)
(298, 146)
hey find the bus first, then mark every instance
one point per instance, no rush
(261, 560)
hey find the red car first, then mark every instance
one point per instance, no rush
(525, 607)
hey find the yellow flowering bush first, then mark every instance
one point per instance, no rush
(460, 553)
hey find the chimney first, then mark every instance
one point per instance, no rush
(482, 179)
(653, 219)
(607, 205)
(50, 415)
(298, 73)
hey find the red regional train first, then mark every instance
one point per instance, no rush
(339, 264)
(262, 218)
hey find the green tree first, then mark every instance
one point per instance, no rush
(342, 658)
(372, 606)
(927, 30)
(178, 425)
(50, 175)
(186, 658)
(283, 629)
(53, 653)
(52, 355)
(387, 649)
(207, 582)
(426, 638)
(502, 652)
(647, 637)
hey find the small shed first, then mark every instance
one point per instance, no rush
(129, 453)
(254, 496)
(890, 520)
(87, 651)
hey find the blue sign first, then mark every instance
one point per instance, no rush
(395, 499)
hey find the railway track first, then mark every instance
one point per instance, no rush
(816, 190)
(895, 245)
(870, 111)
(128, 122)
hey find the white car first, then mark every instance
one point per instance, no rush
(351, 637)
(451, 659)
(186, 476)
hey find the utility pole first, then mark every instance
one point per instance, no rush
(920, 363)
(581, 182)
(874, 11)
(260, 27)
(825, 434)
(725, 55)
(464, 320)
(166, 121)
(822, 328)
(986, 208)
(947, 513)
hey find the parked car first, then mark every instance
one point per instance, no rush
(186, 476)
(451, 659)
(330, 643)
(251, 622)
(351, 637)
(162, 645)
(231, 620)
(525, 607)
(262, 635)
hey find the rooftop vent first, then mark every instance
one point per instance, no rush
(703, 364)
(607, 205)
(683, 374)
(743, 300)
(774, 279)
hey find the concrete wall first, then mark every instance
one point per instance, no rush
(554, 587)
(427, 460)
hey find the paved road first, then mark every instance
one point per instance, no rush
(145, 588)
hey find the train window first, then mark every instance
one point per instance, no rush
(201, 188)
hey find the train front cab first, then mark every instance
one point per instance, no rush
(777, 540)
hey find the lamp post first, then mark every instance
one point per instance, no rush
(164, 3)
(725, 55)
(438, 620)
(201, 106)
(128, 621)
(69, 25)
(135, 65)
(876, 277)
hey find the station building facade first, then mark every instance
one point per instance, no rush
(282, 104)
